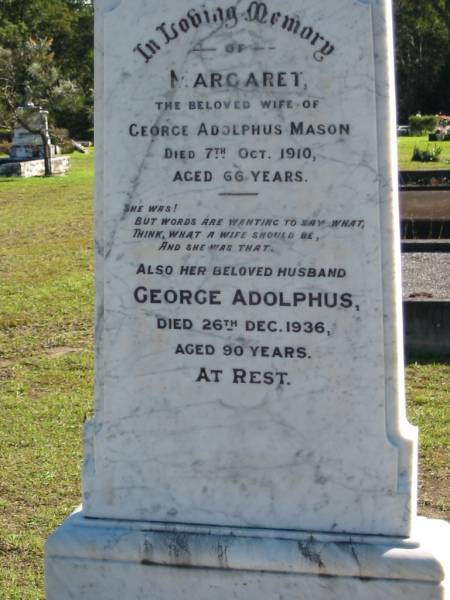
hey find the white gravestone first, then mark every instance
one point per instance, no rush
(29, 145)
(250, 420)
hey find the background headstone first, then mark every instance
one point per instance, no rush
(249, 365)
(27, 145)
(30, 139)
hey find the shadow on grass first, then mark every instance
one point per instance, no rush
(427, 358)
(7, 179)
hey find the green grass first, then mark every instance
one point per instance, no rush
(406, 148)
(428, 393)
(46, 363)
(46, 372)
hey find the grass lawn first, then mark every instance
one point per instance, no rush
(406, 148)
(46, 363)
(46, 372)
(428, 393)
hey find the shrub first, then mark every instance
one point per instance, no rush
(426, 155)
(4, 147)
(5, 135)
(59, 135)
(66, 147)
(420, 124)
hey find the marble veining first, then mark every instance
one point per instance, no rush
(162, 448)
(250, 437)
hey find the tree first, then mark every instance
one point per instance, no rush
(68, 26)
(422, 55)
(27, 69)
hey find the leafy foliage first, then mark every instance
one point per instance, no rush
(423, 58)
(30, 69)
(426, 155)
(420, 124)
(406, 147)
(49, 43)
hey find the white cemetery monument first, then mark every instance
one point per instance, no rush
(27, 144)
(31, 140)
(250, 438)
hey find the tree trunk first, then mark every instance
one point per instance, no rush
(47, 155)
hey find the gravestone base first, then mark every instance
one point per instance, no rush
(93, 559)
(34, 168)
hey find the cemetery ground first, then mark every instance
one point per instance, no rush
(46, 371)
(406, 147)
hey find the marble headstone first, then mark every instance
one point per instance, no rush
(249, 350)
(26, 143)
